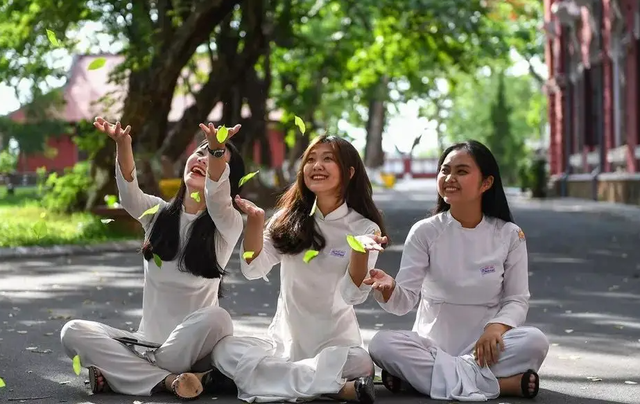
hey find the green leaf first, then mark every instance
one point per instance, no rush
(157, 260)
(247, 177)
(40, 228)
(77, 366)
(107, 221)
(309, 255)
(355, 244)
(248, 255)
(150, 211)
(52, 38)
(110, 200)
(96, 64)
(222, 134)
(300, 124)
(195, 196)
(314, 207)
(2, 383)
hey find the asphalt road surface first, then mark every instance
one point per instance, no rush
(584, 279)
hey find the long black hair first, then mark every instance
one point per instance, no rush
(198, 257)
(494, 200)
(295, 230)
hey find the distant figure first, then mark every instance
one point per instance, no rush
(188, 243)
(466, 268)
(10, 189)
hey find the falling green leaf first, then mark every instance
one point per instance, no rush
(2, 383)
(107, 221)
(300, 124)
(222, 134)
(110, 200)
(150, 211)
(157, 260)
(247, 177)
(40, 228)
(355, 244)
(97, 63)
(309, 255)
(314, 207)
(77, 366)
(52, 38)
(195, 196)
(248, 255)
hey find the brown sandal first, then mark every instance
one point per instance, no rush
(187, 386)
(96, 386)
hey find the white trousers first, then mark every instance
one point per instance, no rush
(433, 372)
(128, 373)
(262, 377)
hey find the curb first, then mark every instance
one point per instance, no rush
(67, 250)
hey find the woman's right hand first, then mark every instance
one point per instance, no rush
(115, 132)
(250, 209)
(379, 280)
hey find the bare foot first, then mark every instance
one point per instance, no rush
(348, 392)
(512, 386)
(185, 385)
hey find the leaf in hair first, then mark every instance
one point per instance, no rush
(52, 38)
(355, 244)
(222, 134)
(247, 177)
(150, 211)
(107, 221)
(96, 64)
(300, 124)
(309, 255)
(157, 260)
(195, 196)
(2, 383)
(314, 207)
(77, 366)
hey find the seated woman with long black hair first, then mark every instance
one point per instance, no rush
(188, 243)
(466, 268)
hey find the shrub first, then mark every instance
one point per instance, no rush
(69, 192)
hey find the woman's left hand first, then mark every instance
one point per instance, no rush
(372, 242)
(490, 344)
(211, 132)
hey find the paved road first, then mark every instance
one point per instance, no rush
(585, 283)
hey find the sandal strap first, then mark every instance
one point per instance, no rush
(524, 384)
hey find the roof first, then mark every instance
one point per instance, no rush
(85, 88)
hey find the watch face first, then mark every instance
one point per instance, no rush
(217, 152)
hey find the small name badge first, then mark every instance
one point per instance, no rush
(337, 253)
(488, 270)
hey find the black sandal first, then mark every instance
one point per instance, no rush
(524, 384)
(365, 390)
(216, 382)
(391, 382)
(96, 387)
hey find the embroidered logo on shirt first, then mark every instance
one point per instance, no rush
(521, 234)
(337, 253)
(488, 270)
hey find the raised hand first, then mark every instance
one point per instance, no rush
(249, 208)
(114, 131)
(379, 280)
(210, 131)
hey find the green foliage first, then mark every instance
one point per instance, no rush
(68, 193)
(8, 162)
(88, 138)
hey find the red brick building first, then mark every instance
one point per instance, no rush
(592, 52)
(82, 93)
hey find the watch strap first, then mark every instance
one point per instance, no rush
(216, 152)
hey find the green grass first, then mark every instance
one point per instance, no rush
(23, 222)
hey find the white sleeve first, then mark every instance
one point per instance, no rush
(133, 200)
(514, 303)
(351, 293)
(227, 219)
(413, 269)
(262, 263)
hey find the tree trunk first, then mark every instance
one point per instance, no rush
(374, 155)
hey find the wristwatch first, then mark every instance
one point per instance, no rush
(217, 152)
